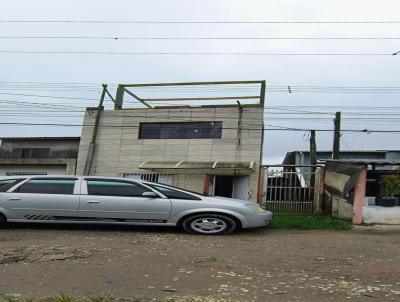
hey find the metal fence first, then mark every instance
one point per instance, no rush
(167, 179)
(291, 189)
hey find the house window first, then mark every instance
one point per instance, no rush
(180, 130)
(31, 152)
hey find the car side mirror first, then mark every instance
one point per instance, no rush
(150, 194)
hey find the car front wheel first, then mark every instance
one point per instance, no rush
(209, 224)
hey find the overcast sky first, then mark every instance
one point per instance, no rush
(283, 70)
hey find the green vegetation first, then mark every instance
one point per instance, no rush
(390, 185)
(308, 222)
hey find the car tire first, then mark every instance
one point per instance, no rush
(3, 220)
(209, 224)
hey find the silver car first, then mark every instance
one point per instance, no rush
(122, 201)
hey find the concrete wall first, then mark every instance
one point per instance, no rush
(51, 166)
(341, 209)
(381, 215)
(119, 150)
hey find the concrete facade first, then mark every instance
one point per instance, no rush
(59, 156)
(119, 151)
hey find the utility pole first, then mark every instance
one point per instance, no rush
(313, 149)
(313, 157)
(92, 144)
(336, 136)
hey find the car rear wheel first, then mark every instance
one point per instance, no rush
(3, 220)
(209, 224)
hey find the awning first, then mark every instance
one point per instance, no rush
(193, 165)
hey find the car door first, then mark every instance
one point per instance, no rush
(47, 198)
(122, 201)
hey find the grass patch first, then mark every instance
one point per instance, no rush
(308, 222)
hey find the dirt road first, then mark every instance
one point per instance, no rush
(146, 263)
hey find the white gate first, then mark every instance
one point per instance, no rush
(291, 189)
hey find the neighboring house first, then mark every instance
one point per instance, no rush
(38, 155)
(302, 158)
(211, 149)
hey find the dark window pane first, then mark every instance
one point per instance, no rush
(31, 152)
(26, 153)
(40, 152)
(17, 152)
(181, 130)
(114, 188)
(48, 186)
(7, 184)
(172, 193)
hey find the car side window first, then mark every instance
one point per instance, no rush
(48, 186)
(109, 187)
(6, 184)
(172, 193)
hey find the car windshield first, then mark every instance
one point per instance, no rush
(174, 192)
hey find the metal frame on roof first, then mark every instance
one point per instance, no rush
(125, 88)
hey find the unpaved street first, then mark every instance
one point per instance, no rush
(146, 263)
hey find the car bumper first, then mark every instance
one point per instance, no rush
(259, 220)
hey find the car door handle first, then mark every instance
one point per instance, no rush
(93, 201)
(14, 199)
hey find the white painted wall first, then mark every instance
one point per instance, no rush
(49, 169)
(381, 215)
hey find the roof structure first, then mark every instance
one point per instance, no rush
(22, 138)
(377, 162)
(189, 94)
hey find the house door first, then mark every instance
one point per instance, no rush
(223, 186)
(241, 185)
(232, 186)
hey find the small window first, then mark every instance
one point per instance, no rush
(172, 193)
(108, 187)
(6, 184)
(31, 152)
(48, 186)
(180, 130)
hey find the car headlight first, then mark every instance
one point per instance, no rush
(255, 208)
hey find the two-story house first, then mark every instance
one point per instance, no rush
(211, 149)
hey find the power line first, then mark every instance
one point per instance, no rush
(193, 53)
(193, 38)
(228, 128)
(49, 96)
(202, 22)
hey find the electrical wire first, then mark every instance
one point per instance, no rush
(192, 53)
(202, 21)
(115, 38)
